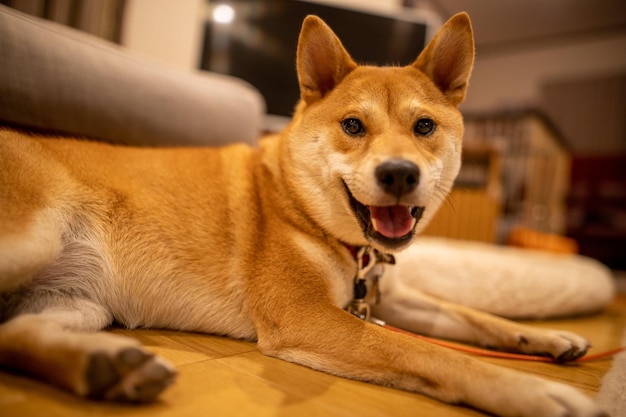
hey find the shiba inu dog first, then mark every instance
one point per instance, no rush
(269, 244)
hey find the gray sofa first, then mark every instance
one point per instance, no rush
(59, 80)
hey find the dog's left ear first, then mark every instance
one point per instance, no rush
(449, 56)
(322, 60)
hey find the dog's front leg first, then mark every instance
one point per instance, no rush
(415, 311)
(54, 346)
(325, 337)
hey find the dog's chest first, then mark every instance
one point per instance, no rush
(335, 270)
(342, 287)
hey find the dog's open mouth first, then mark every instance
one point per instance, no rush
(391, 225)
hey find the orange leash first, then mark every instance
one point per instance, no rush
(505, 355)
(367, 258)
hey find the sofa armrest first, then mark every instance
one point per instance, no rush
(57, 79)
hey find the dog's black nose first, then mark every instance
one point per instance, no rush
(398, 176)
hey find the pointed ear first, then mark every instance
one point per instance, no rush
(449, 56)
(322, 60)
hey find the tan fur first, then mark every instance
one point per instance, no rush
(251, 243)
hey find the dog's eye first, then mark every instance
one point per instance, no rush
(353, 127)
(424, 127)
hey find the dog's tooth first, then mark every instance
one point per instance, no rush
(374, 224)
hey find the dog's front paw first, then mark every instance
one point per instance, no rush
(561, 345)
(560, 400)
(568, 346)
(127, 374)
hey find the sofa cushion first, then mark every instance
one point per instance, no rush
(60, 80)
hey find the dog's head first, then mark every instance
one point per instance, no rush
(373, 151)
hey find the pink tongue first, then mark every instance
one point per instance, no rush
(393, 221)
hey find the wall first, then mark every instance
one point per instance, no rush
(515, 79)
(167, 30)
(589, 112)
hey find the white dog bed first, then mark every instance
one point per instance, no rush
(506, 281)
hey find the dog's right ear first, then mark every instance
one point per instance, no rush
(322, 60)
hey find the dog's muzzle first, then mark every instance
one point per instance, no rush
(394, 225)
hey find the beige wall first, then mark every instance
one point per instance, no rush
(515, 79)
(167, 30)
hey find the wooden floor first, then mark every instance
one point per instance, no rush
(222, 377)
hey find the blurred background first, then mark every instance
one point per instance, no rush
(545, 143)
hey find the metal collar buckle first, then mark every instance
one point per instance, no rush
(370, 264)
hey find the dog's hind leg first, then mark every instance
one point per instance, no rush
(27, 248)
(53, 346)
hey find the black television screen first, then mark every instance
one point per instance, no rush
(259, 43)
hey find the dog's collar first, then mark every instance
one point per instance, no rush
(370, 265)
(354, 250)
(385, 258)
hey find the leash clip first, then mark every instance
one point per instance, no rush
(370, 263)
(367, 259)
(365, 262)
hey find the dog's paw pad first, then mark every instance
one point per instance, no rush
(131, 374)
(561, 345)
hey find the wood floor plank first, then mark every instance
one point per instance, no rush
(184, 347)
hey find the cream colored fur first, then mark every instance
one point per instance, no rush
(612, 396)
(253, 243)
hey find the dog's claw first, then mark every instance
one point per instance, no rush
(571, 355)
